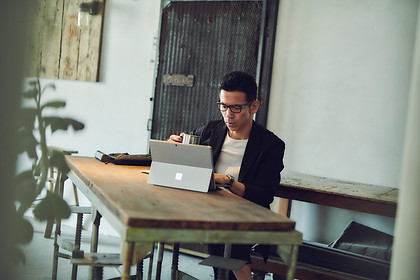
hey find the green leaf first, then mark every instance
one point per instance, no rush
(58, 123)
(76, 124)
(17, 255)
(25, 186)
(51, 86)
(33, 83)
(54, 104)
(38, 166)
(52, 207)
(26, 117)
(26, 143)
(58, 160)
(23, 176)
(23, 231)
(25, 132)
(32, 93)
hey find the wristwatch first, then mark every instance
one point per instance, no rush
(231, 179)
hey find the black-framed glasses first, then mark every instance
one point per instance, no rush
(236, 108)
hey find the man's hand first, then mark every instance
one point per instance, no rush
(221, 179)
(237, 187)
(176, 138)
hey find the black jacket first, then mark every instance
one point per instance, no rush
(261, 164)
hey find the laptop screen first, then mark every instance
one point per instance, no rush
(182, 166)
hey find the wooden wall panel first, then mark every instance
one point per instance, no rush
(90, 39)
(51, 37)
(70, 42)
(58, 48)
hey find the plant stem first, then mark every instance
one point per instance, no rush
(43, 162)
(43, 143)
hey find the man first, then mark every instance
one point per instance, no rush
(247, 156)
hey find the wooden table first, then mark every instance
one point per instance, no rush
(144, 213)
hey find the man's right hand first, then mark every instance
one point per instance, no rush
(176, 138)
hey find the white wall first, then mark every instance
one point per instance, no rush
(339, 98)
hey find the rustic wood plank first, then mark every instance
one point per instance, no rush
(34, 46)
(90, 47)
(70, 42)
(51, 37)
(178, 209)
(354, 196)
(58, 48)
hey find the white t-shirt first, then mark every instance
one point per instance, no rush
(230, 157)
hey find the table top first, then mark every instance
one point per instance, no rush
(368, 198)
(125, 192)
(344, 188)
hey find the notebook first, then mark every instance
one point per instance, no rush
(182, 166)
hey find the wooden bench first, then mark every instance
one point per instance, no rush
(378, 200)
(359, 197)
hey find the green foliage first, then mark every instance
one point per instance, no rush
(29, 185)
(57, 123)
(52, 207)
(25, 186)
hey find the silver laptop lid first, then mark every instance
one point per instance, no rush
(182, 166)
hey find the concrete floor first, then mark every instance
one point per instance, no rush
(39, 258)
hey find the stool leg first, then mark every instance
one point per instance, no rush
(175, 259)
(58, 190)
(76, 197)
(50, 222)
(139, 271)
(98, 273)
(77, 241)
(149, 274)
(48, 228)
(96, 216)
(56, 248)
(161, 247)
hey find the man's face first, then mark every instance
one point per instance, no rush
(237, 122)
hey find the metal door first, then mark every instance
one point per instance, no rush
(200, 42)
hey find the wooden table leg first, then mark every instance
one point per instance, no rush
(293, 262)
(127, 260)
(223, 274)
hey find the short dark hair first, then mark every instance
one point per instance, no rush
(240, 81)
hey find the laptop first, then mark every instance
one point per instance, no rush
(181, 166)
